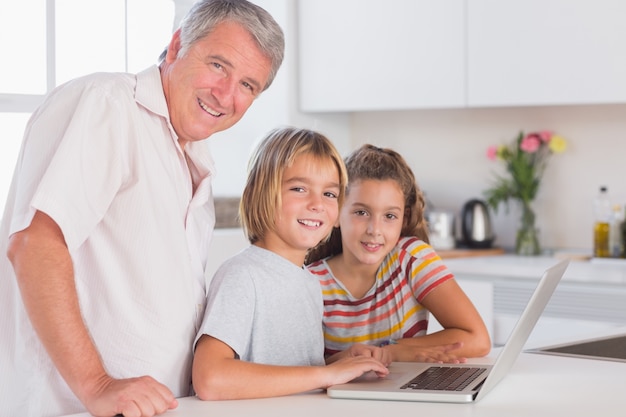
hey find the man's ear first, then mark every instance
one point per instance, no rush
(173, 47)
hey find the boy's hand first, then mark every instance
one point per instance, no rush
(348, 368)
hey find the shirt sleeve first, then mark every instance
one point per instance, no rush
(229, 313)
(424, 268)
(72, 160)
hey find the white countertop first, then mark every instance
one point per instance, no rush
(538, 386)
(606, 271)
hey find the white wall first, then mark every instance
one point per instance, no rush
(446, 149)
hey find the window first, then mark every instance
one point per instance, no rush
(53, 41)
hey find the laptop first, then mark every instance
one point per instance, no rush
(419, 381)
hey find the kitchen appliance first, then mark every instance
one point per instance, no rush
(441, 229)
(476, 226)
(611, 348)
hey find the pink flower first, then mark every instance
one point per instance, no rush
(545, 135)
(530, 143)
(492, 152)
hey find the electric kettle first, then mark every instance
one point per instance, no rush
(476, 227)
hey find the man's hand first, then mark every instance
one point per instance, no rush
(133, 397)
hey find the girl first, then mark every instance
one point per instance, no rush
(380, 278)
(262, 331)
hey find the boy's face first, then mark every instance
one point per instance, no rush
(309, 193)
(371, 220)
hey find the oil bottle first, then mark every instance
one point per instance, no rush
(601, 228)
(623, 233)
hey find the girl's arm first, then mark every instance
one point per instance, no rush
(217, 375)
(464, 333)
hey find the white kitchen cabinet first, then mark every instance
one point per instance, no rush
(225, 243)
(359, 55)
(546, 52)
(589, 298)
(481, 295)
(364, 55)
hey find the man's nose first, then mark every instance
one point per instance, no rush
(224, 90)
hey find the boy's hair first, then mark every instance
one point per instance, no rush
(261, 198)
(372, 163)
(205, 15)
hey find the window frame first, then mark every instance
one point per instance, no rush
(27, 103)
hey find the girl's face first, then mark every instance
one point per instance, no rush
(371, 220)
(309, 192)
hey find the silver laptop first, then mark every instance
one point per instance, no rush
(455, 383)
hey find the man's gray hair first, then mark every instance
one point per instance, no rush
(205, 15)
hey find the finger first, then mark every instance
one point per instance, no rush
(169, 401)
(154, 398)
(368, 353)
(130, 409)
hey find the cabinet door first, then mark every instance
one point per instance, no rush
(481, 295)
(544, 52)
(381, 55)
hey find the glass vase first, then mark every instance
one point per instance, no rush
(527, 239)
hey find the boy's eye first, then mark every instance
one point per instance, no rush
(330, 194)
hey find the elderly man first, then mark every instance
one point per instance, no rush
(109, 219)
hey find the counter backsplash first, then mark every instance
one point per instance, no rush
(226, 211)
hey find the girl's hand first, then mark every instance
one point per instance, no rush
(370, 351)
(404, 352)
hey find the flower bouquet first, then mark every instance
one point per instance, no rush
(525, 160)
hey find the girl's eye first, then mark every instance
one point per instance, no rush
(360, 213)
(391, 216)
(297, 189)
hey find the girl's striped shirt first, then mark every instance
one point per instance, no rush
(391, 309)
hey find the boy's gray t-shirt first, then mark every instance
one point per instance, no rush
(267, 309)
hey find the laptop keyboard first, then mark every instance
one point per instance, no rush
(444, 378)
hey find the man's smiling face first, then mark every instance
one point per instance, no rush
(211, 86)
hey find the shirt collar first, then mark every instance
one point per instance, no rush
(149, 91)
